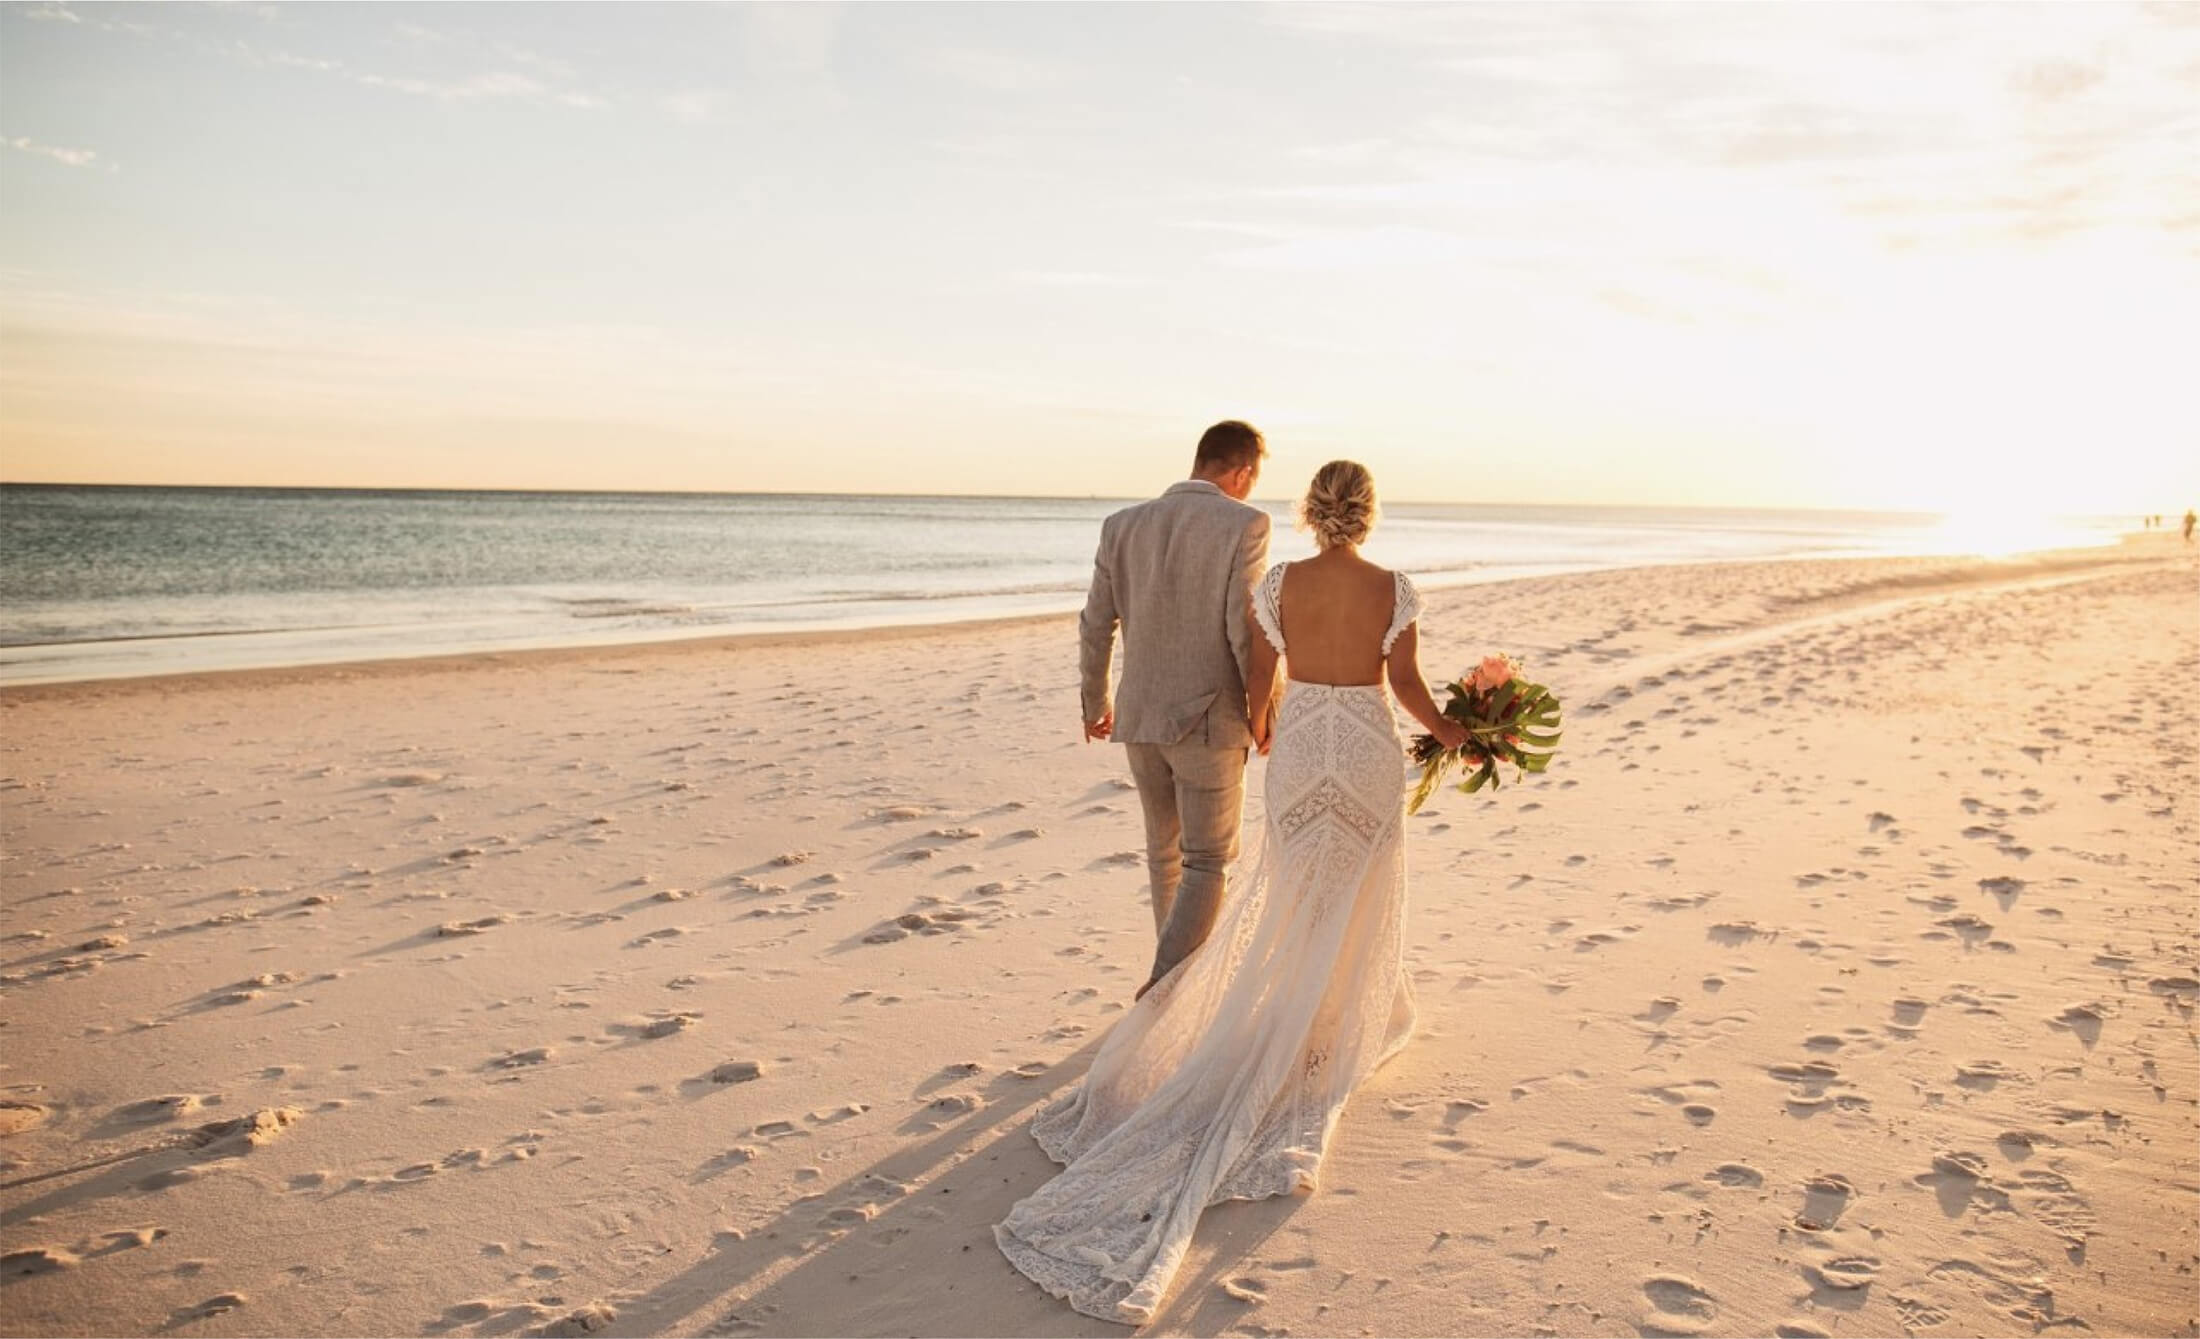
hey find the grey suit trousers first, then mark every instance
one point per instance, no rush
(1194, 798)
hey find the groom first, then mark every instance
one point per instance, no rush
(1177, 573)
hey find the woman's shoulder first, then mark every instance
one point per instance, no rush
(1384, 578)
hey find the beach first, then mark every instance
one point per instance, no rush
(1839, 978)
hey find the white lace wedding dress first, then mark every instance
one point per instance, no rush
(1226, 1079)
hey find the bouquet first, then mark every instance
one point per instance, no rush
(1507, 719)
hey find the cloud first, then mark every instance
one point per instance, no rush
(552, 87)
(790, 39)
(2052, 81)
(990, 71)
(1079, 279)
(697, 106)
(73, 157)
(495, 85)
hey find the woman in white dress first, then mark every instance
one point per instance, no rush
(1225, 1079)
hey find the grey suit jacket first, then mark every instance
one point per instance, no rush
(1176, 573)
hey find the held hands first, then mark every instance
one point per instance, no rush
(1100, 729)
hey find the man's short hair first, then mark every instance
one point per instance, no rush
(1229, 445)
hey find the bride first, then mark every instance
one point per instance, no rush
(1224, 1080)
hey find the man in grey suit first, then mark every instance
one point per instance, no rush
(1177, 573)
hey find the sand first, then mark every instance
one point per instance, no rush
(1839, 978)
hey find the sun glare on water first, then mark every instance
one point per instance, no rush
(1998, 534)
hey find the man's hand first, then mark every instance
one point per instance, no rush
(1100, 729)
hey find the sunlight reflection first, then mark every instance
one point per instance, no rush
(2000, 533)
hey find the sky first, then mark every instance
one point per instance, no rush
(1899, 257)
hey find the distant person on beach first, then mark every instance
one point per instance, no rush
(1176, 574)
(1225, 1080)
(2188, 525)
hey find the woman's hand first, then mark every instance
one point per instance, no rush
(1450, 733)
(1264, 731)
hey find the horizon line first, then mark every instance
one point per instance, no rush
(999, 497)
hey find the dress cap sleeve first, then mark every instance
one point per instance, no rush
(1268, 606)
(1405, 609)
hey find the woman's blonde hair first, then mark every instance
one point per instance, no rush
(1339, 506)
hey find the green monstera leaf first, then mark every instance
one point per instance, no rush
(1516, 723)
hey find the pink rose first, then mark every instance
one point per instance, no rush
(1493, 672)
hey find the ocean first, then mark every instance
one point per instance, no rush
(105, 582)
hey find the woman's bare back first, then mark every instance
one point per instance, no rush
(1336, 608)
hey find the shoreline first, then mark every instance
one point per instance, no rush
(1956, 570)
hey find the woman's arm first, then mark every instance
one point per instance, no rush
(1404, 666)
(1260, 686)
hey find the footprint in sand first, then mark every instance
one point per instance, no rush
(863, 1200)
(1981, 1075)
(1246, 1288)
(16, 1117)
(1679, 1305)
(1733, 934)
(668, 1025)
(37, 1260)
(591, 1319)
(1597, 939)
(741, 1155)
(211, 1307)
(1460, 1109)
(128, 1239)
(2082, 1021)
(1844, 1273)
(1825, 1198)
(452, 929)
(1959, 1178)
(2052, 1199)
(737, 1071)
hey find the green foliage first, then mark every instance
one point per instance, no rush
(1515, 723)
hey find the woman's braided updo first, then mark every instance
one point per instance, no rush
(1339, 506)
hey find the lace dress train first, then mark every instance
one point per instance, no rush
(1225, 1081)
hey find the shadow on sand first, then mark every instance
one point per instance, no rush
(905, 1246)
